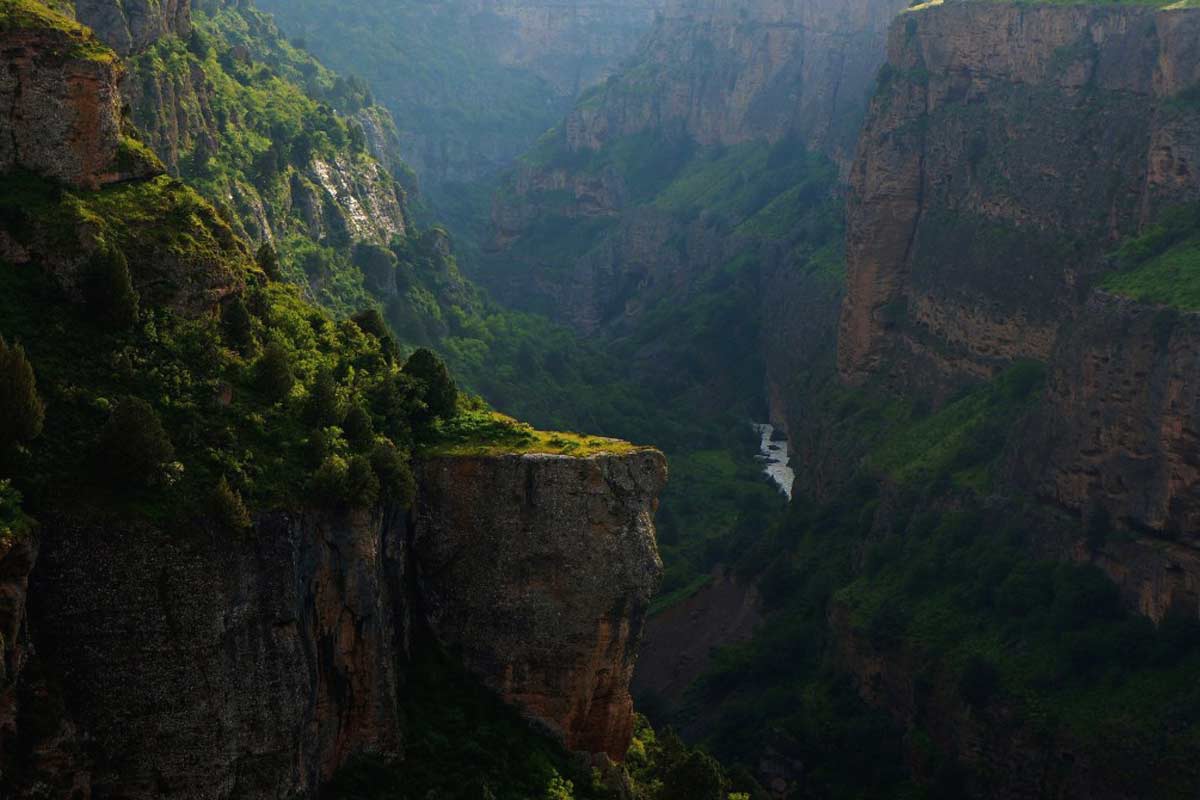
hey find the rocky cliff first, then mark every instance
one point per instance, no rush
(538, 571)
(1006, 149)
(656, 169)
(1115, 440)
(59, 86)
(727, 72)
(133, 25)
(195, 663)
(570, 46)
(190, 663)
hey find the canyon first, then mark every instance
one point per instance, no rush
(914, 240)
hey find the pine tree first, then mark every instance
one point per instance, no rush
(108, 289)
(273, 373)
(134, 445)
(238, 325)
(21, 409)
(323, 408)
(268, 261)
(228, 508)
(358, 427)
(438, 389)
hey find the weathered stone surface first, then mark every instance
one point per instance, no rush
(213, 664)
(61, 109)
(538, 570)
(1117, 435)
(130, 26)
(1006, 148)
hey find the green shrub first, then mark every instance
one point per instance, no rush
(359, 429)
(323, 408)
(108, 289)
(396, 480)
(268, 261)
(238, 326)
(438, 391)
(21, 409)
(329, 485)
(134, 446)
(362, 485)
(273, 373)
(227, 507)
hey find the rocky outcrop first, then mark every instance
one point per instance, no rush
(1118, 429)
(130, 26)
(62, 108)
(538, 571)
(1007, 147)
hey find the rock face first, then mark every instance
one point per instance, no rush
(62, 109)
(1117, 438)
(212, 664)
(538, 571)
(1007, 147)
(206, 663)
(571, 45)
(724, 72)
(130, 26)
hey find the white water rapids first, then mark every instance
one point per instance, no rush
(775, 459)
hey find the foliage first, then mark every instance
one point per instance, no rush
(13, 521)
(134, 446)
(1162, 264)
(463, 743)
(22, 411)
(273, 373)
(109, 290)
(437, 389)
(32, 14)
(481, 431)
(228, 508)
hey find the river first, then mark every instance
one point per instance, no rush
(774, 457)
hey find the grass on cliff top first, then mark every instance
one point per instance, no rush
(33, 15)
(476, 432)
